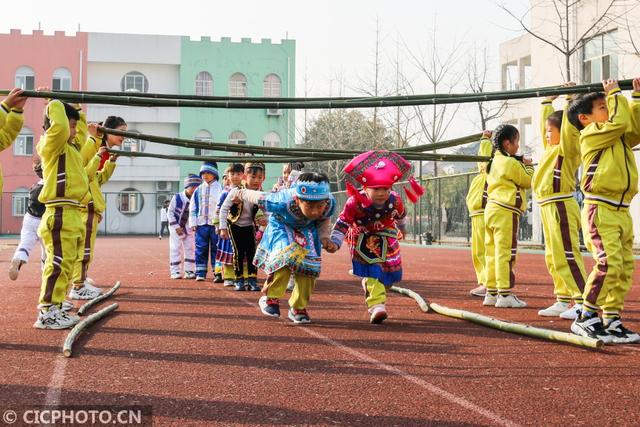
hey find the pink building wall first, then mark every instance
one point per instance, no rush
(43, 54)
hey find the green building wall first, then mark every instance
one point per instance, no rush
(222, 59)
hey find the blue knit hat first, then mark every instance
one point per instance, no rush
(192, 180)
(211, 167)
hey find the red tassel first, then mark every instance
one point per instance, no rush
(410, 195)
(360, 198)
(417, 188)
(351, 190)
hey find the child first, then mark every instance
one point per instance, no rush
(100, 166)
(237, 222)
(284, 182)
(181, 238)
(376, 217)
(299, 225)
(65, 193)
(201, 214)
(235, 173)
(30, 222)
(609, 129)
(476, 202)
(11, 120)
(553, 184)
(164, 221)
(507, 178)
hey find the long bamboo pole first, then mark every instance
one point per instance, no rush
(86, 306)
(422, 303)
(517, 328)
(395, 101)
(67, 348)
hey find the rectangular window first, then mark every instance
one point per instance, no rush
(204, 88)
(237, 88)
(61, 83)
(23, 146)
(130, 202)
(599, 58)
(134, 82)
(25, 82)
(510, 76)
(203, 151)
(19, 204)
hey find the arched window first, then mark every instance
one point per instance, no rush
(238, 85)
(204, 84)
(61, 79)
(134, 81)
(130, 201)
(272, 86)
(238, 137)
(25, 78)
(133, 144)
(19, 201)
(271, 139)
(203, 136)
(23, 145)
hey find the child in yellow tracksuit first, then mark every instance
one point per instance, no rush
(100, 165)
(507, 178)
(65, 194)
(476, 202)
(554, 182)
(11, 120)
(609, 129)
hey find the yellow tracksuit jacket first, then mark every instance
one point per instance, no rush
(476, 202)
(609, 183)
(507, 181)
(11, 121)
(554, 182)
(65, 193)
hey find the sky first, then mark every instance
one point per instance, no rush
(335, 39)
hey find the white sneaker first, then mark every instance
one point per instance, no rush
(91, 286)
(572, 313)
(54, 318)
(175, 276)
(14, 268)
(490, 300)
(554, 310)
(199, 278)
(510, 301)
(90, 281)
(479, 291)
(228, 283)
(83, 293)
(67, 305)
(378, 314)
(189, 275)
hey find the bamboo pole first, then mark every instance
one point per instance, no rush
(517, 328)
(422, 303)
(98, 299)
(67, 347)
(393, 101)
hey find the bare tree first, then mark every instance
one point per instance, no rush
(477, 70)
(564, 41)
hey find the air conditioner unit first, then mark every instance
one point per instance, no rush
(163, 186)
(274, 112)
(161, 198)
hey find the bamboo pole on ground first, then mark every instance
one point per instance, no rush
(67, 348)
(422, 303)
(98, 299)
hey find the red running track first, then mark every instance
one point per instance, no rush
(204, 355)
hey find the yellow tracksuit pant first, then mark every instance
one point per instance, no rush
(276, 286)
(375, 292)
(85, 253)
(62, 232)
(608, 234)
(501, 246)
(228, 272)
(477, 247)
(561, 225)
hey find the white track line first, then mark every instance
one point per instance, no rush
(54, 388)
(460, 401)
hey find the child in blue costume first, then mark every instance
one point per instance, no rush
(299, 226)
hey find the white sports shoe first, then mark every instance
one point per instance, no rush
(228, 283)
(189, 275)
(554, 310)
(83, 293)
(378, 314)
(175, 276)
(572, 313)
(479, 291)
(490, 300)
(90, 281)
(54, 318)
(14, 268)
(91, 285)
(67, 305)
(510, 301)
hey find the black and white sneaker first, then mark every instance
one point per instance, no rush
(53, 317)
(591, 328)
(269, 306)
(299, 316)
(621, 335)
